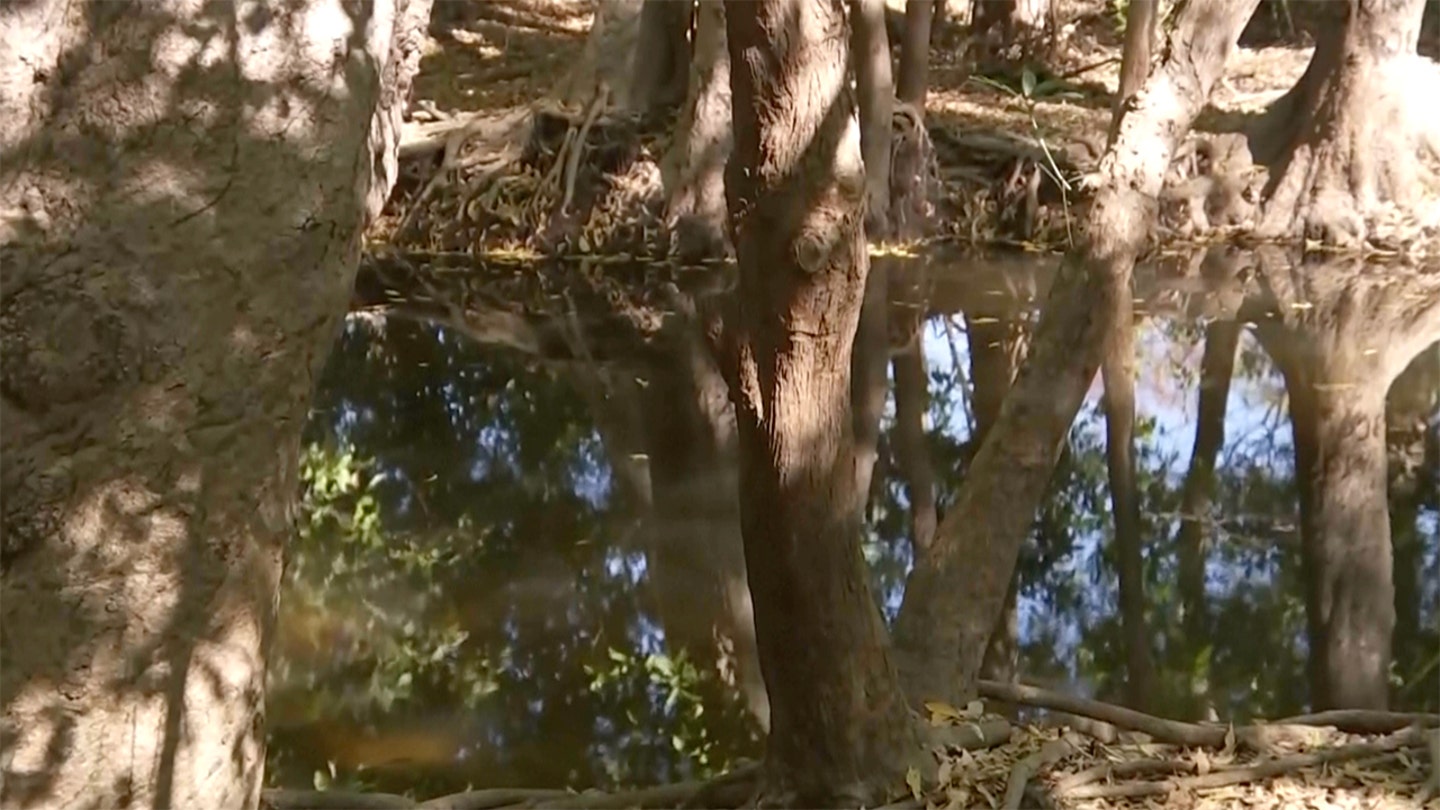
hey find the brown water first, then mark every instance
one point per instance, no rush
(520, 571)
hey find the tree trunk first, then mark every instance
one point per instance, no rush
(610, 60)
(870, 49)
(869, 359)
(1217, 366)
(909, 299)
(1345, 146)
(840, 734)
(998, 345)
(696, 164)
(1140, 19)
(914, 78)
(1340, 336)
(699, 560)
(942, 628)
(1007, 31)
(662, 55)
(1118, 371)
(912, 153)
(179, 245)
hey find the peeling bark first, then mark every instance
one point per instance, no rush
(941, 630)
(181, 229)
(840, 733)
(1340, 337)
(1217, 367)
(695, 167)
(1118, 372)
(1346, 147)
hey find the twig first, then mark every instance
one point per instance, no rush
(1122, 770)
(1252, 773)
(491, 798)
(1020, 775)
(287, 799)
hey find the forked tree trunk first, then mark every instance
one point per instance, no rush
(1344, 146)
(941, 630)
(1140, 20)
(840, 733)
(179, 256)
(1340, 335)
(1118, 373)
(870, 50)
(1217, 366)
(695, 167)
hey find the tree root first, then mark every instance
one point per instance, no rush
(1024, 770)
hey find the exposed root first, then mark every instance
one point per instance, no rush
(1353, 162)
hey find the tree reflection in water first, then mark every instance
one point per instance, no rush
(522, 567)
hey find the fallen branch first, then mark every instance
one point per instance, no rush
(732, 789)
(491, 799)
(1361, 721)
(651, 798)
(1024, 770)
(1123, 770)
(287, 799)
(1251, 773)
(967, 736)
(1259, 736)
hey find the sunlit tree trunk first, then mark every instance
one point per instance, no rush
(870, 50)
(941, 629)
(184, 205)
(840, 733)
(912, 152)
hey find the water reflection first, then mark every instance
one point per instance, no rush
(523, 567)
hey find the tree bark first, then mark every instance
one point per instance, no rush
(1340, 336)
(1344, 147)
(184, 190)
(941, 629)
(840, 733)
(870, 50)
(696, 164)
(1217, 366)
(1118, 373)
(1140, 20)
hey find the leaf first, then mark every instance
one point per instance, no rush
(974, 709)
(1229, 740)
(942, 713)
(912, 780)
(1027, 83)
